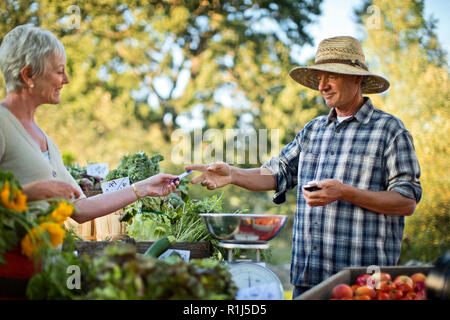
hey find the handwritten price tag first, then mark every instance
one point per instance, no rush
(97, 169)
(115, 185)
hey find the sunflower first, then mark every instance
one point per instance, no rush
(33, 240)
(55, 231)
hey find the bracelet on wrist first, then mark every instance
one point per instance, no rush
(136, 191)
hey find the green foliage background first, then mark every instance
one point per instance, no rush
(140, 70)
(405, 48)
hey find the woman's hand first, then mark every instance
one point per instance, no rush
(40, 190)
(158, 185)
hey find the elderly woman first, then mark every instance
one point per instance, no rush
(33, 63)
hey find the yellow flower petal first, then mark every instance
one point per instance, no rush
(62, 212)
(18, 201)
(57, 233)
(5, 193)
(30, 243)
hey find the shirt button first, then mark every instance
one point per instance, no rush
(54, 174)
(338, 130)
(332, 153)
(314, 248)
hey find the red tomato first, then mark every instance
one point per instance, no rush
(416, 277)
(342, 291)
(387, 286)
(365, 291)
(404, 287)
(383, 295)
(403, 279)
(395, 294)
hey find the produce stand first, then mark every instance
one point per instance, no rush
(198, 250)
(323, 290)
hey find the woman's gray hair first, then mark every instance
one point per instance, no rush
(27, 45)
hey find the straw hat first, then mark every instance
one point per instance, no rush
(342, 55)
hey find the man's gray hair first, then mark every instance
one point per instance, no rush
(23, 46)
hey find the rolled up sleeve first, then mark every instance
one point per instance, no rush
(285, 169)
(402, 166)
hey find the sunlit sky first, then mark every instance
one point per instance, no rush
(337, 19)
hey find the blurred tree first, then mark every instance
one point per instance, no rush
(141, 69)
(403, 46)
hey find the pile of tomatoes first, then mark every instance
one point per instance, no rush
(380, 286)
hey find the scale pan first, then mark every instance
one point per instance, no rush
(244, 228)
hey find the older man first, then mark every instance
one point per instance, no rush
(364, 164)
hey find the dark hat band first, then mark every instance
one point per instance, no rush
(353, 63)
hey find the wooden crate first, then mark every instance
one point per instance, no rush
(199, 250)
(87, 230)
(109, 227)
(323, 290)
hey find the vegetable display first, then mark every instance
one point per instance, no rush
(152, 219)
(176, 215)
(119, 272)
(122, 274)
(382, 286)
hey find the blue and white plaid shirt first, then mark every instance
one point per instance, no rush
(371, 150)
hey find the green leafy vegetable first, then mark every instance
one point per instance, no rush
(148, 227)
(154, 219)
(189, 225)
(137, 167)
(120, 273)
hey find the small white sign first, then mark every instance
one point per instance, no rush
(97, 169)
(115, 185)
(185, 254)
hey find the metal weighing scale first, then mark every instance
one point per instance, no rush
(254, 280)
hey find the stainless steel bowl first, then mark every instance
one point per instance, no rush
(244, 228)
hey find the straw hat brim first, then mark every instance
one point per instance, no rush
(307, 76)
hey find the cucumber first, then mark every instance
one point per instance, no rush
(160, 246)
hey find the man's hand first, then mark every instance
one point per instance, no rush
(215, 175)
(40, 190)
(330, 191)
(385, 202)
